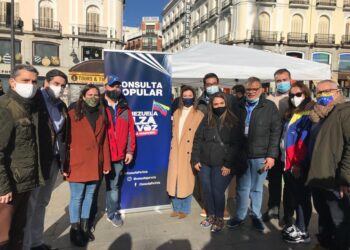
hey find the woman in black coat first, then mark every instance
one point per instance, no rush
(216, 155)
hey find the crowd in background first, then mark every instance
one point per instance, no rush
(221, 143)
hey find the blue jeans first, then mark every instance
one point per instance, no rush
(250, 184)
(213, 188)
(182, 205)
(81, 196)
(113, 188)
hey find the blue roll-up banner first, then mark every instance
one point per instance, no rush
(146, 82)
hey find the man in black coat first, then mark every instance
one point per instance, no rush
(262, 132)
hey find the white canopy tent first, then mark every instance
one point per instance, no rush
(234, 64)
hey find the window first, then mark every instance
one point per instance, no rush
(150, 29)
(5, 51)
(323, 25)
(295, 54)
(92, 19)
(297, 24)
(5, 13)
(46, 54)
(264, 22)
(46, 14)
(321, 57)
(95, 52)
(347, 26)
(227, 25)
(344, 62)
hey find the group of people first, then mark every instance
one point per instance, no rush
(251, 137)
(218, 136)
(40, 137)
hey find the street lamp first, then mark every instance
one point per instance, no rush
(12, 35)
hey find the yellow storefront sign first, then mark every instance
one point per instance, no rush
(86, 78)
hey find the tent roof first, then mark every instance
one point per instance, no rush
(235, 64)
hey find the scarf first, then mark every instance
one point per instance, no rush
(319, 112)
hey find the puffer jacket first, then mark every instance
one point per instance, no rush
(19, 152)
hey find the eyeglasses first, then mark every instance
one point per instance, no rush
(252, 89)
(326, 91)
(296, 94)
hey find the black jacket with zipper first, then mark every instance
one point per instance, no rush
(264, 129)
(209, 150)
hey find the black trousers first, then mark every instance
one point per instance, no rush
(333, 219)
(275, 184)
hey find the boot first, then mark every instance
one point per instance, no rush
(85, 228)
(76, 235)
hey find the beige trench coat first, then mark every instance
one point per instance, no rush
(180, 173)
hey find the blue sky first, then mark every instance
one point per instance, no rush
(136, 9)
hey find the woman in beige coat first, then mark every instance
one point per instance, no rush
(180, 182)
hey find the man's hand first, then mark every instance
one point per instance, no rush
(344, 190)
(105, 172)
(225, 171)
(269, 163)
(128, 158)
(65, 174)
(7, 198)
(198, 166)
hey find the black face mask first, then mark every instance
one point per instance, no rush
(114, 94)
(219, 111)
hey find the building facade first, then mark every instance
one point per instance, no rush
(59, 33)
(317, 30)
(148, 38)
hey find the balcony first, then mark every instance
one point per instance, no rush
(260, 36)
(204, 18)
(46, 26)
(225, 39)
(213, 12)
(346, 5)
(297, 38)
(324, 39)
(226, 4)
(345, 40)
(5, 25)
(196, 24)
(299, 3)
(326, 4)
(92, 31)
(266, 2)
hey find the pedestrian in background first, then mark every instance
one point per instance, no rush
(89, 158)
(215, 155)
(180, 181)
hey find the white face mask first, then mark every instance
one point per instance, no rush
(26, 90)
(55, 91)
(296, 101)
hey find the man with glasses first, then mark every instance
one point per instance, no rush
(53, 132)
(329, 174)
(262, 131)
(20, 170)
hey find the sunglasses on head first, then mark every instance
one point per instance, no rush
(296, 94)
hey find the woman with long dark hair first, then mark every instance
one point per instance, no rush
(216, 156)
(89, 158)
(180, 183)
(297, 196)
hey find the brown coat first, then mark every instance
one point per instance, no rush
(88, 150)
(180, 173)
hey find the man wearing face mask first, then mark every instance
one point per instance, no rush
(329, 174)
(262, 131)
(122, 143)
(280, 98)
(53, 129)
(20, 170)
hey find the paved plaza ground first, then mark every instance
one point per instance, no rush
(156, 230)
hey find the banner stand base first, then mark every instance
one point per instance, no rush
(145, 209)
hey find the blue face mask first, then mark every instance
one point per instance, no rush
(283, 87)
(325, 100)
(188, 102)
(212, 90)
(253, 101)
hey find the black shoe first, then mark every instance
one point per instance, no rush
(85, 228)
(76, 235)
(44, 247)
(269, 215)
(258, 225)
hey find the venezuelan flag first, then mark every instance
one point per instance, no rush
(163, 109)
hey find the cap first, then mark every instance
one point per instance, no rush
(112, 80)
